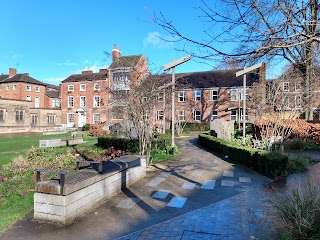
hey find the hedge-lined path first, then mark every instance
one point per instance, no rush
(197, 195)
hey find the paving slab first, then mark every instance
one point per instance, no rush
(208, 184)
(177, 202)
(161, 194)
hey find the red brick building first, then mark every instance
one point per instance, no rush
(86, 98)
(27, 104)
(204, 96)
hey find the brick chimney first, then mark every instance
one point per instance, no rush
(116, 53)
(87, 71)
(12, 72)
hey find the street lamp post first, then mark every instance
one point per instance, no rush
(244, 73)
(172, 66)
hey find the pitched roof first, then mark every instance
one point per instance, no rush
(85, 77)
(3, 77)
(22, 78)
(209, 79)
(126, 61)
(52, 94)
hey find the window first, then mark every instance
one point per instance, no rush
(234, 116)
(19, 115)
(70, 118)
(298, 86)
(82, 87)
(286, 86)
(160, 96)
(197, 95)
(181, 96)
(33, 119)
(234, 95)
(7, 87)
(55, 103)
(70, 101)
(214, 115)
(298, 101)
(96, 86)
(241, 115)
(14, 87)
(70, 88)
(1, 115)
(96, 118)
(28, 88)
(96, 101)
(82, 101)
(28, 98)
(37, 89)
(51, 119)
(159, 115)
(213, 95)
(286, 102)
(181, 115)
(196, 115)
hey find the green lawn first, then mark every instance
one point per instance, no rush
(7, 157)
(24, 142)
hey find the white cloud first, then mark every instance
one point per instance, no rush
(158, 40)
(55, 81)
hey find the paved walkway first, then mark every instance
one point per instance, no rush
(196, 196)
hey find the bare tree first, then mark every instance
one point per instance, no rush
(265, 29)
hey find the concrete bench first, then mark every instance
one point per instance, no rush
(70, 195)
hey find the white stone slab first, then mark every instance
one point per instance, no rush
(227, 183)
(228, 173)
(128, 203)
(164, 174)
(208, 184)
(161, 194)
(245, 179)
(188, 185)
(155, 182)
(197, 173)
(217, 169)
(177, 202)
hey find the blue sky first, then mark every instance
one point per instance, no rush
(51, 39)
(55, 38)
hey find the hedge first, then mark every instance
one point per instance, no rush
(129, 145)
(267, 163)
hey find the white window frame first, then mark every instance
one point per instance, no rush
(3, 118)
(181, 96)
(69, 118)
(161, 97)
(195, 115)
(69, 101)
(197, 95)
(297, 89)
(28, 98)
(14, 87)
(213, 116)
(214, 97)
(296, 101)
(37, 88)
(234, 117)
(285, 86)
(28, 88)
(241, 115)
(82, 103)
(181, 115)
(55, 103)
(7, 87)
(96, 103)
(286, 102)
(160, 115)
(96, 86)
(70, 88)
(234, 95)
(94, 118)
(51, 119)
(82, 87)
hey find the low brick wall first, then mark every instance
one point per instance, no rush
(84, 195)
